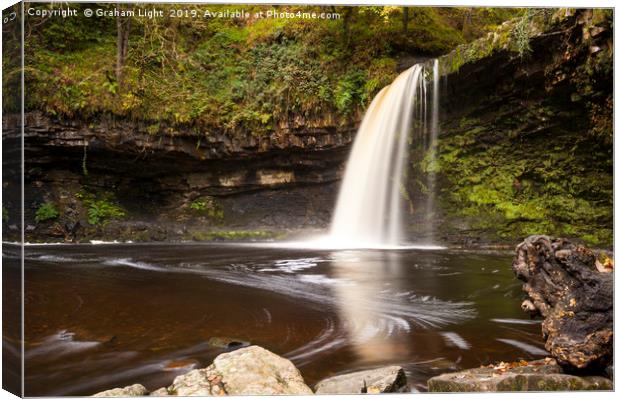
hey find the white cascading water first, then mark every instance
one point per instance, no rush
(368, 211)
(431, 177)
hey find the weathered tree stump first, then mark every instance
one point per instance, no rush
(571, 286)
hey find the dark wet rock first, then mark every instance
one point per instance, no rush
(563, 284)
(227, 343)
(609, 371)
(539, 375)
(247, 371)
(131, 390)
(384, 379)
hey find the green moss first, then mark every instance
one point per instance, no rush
(153, 129)
(513, 36)
(511, 187)
(207, 206)
(235, 235)
(46, 211)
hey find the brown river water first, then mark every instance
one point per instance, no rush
(105, 316)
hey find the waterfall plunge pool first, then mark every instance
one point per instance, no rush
(102, 316)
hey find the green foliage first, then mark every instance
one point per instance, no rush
(5, 215)
(99, 211)
(11, 61)
(207, 206)
(513, 36)
(84, 159)
(46, 211)
(230, 75)
(100, 207)
(350, 91)
(74, 33)
(521, 34)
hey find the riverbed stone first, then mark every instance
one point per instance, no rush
(380, 380)
(131, 390)
(539, 375)
(247, 371)
(195, 383)
(163, 391)
(227, 342)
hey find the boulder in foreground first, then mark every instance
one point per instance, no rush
(571, 286)
(538, 375)
(384, 379)
(247, 371)
(131, 390)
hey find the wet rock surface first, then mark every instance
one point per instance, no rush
(227, 343)
(131, 390)
(564, 284)
(539, 375)
(380, 380)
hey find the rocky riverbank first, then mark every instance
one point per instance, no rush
(538, 375)
(571, 287)
(256, 371)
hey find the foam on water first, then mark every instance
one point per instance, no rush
(453, 339)
(516, 321)
(531, 349)
(329, 243)
(60, 344)
(135, 264)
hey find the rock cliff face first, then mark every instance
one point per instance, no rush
(285, 180)
(525, 137)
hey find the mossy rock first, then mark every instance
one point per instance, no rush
(539, 375)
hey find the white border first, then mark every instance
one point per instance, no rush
(482, 3)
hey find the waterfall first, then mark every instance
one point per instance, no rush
(369, 206)
(432, 147)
